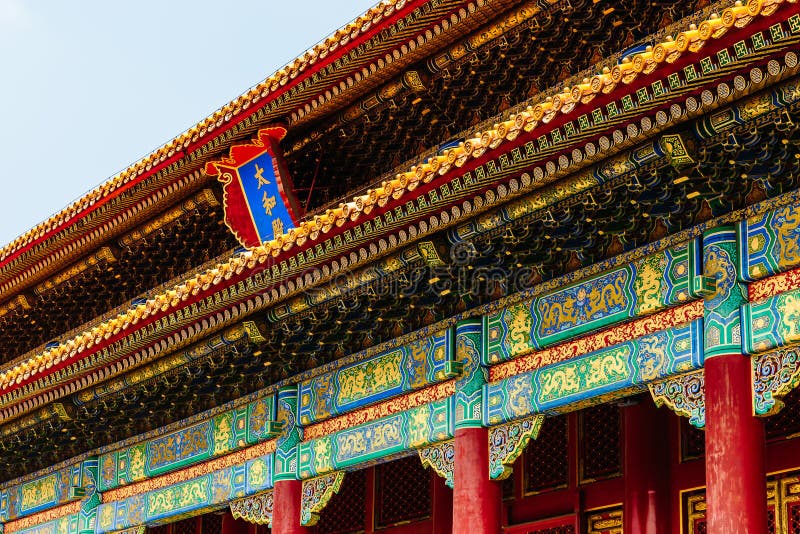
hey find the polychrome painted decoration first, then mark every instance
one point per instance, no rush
(63, 525)
(771, 323)
(721, 308)
(658, 281)
(260, 415)
(469, 385)
(588, 305)
(221, 434)
(397, 433)
(40, 493)
(407, 368)
(770, 243)
(187, 497)
(609, 371)
(258, 198)
(775, 374)
(290, 437)
(43, 492)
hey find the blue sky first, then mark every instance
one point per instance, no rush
(88, 87)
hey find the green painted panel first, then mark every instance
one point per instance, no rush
(770, 243)
(218, 435)
(654, 283)
(771, 323)
(393, 372)
(404, 431)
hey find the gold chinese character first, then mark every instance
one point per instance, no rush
(268, 203)
(277, 227)
(260, 176)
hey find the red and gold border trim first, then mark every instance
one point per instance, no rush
(769, 287)
(389, 407)
(239, 457)
(606, 338)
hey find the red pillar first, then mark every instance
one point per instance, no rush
(477, 500)
(442, 506)
(646, 468)
(286, 507)
(736, 494)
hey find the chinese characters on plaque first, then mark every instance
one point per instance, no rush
(259, 203)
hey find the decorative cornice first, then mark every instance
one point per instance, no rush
(203, 198)
(176, 360)
(441, 458)
(50, 411)
(297, 237)
(118, 214)
(101, 257)
(419, 47)
(508, 441)
(684, 394)
(317, 493)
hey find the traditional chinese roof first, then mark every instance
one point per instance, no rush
(31, 319)
(368, 151)
(558, 233)
(358, 56)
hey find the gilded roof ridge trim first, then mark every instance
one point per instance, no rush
(229, 121)
(333, 44)
(131, 213)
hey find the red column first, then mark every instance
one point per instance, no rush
(442, 505)
(646, 468)
(286, 507)
(736, 494)
(477, 500)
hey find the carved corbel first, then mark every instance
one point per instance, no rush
(317, 492)
(440, 458)
(775, 374)
(506, 443)
(254, 509)
(684, 394)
